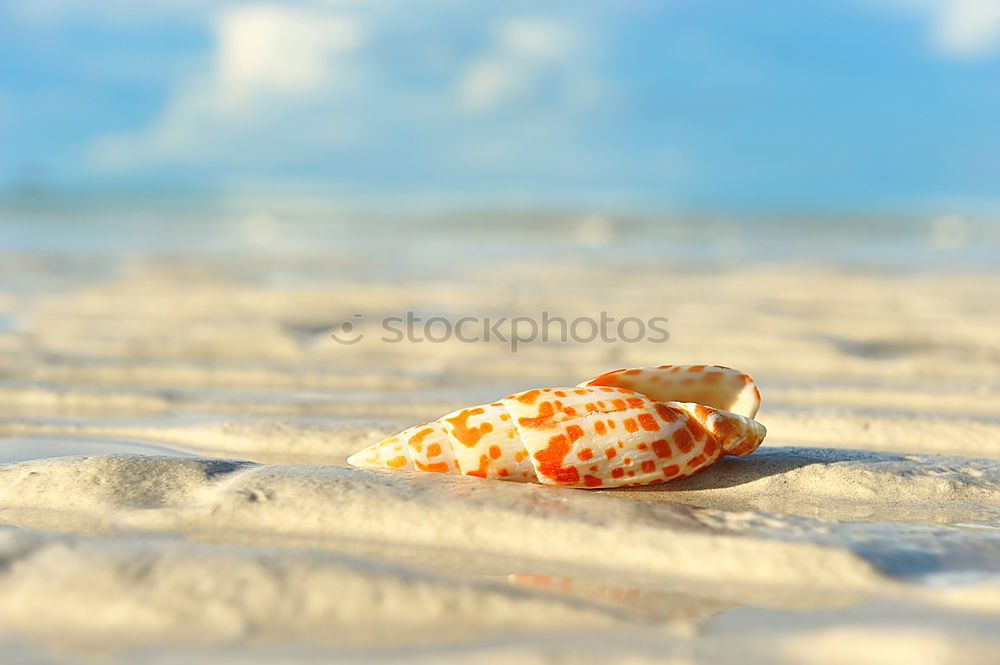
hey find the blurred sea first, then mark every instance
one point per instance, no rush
(398, 240)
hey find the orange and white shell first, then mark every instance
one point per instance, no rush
(627, 427)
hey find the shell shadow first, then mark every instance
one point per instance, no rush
(767, 461)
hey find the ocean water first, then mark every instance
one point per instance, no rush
(382, 239)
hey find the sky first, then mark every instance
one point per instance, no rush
(826, 105)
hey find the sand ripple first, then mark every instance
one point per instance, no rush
(855, 534)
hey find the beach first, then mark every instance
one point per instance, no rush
(176, 415)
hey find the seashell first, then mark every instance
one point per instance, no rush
(627, 427)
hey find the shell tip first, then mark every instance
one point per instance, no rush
(368, 458)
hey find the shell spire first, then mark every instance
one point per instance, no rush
(628, 427)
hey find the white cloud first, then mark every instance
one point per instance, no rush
(268, 59)
(275, 49)
(350, 84)
(525, 55)
(537, 38)
(959, 28)
(968, 27)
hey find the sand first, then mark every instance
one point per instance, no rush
(173, 486)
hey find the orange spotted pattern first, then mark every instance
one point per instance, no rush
(628, 427)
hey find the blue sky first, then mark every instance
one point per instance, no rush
(827, 105)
